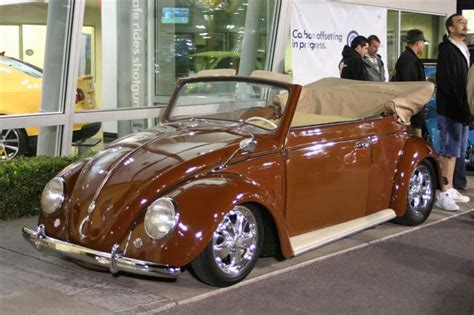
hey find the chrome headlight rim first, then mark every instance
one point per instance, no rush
(62, 196)
(175, 218)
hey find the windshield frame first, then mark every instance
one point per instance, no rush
(183, 82)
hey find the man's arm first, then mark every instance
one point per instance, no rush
(470, 89)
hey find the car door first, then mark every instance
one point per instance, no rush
(327, 175)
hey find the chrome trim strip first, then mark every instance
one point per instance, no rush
(114, 261)
(308, 241)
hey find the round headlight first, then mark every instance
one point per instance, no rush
(53, 195)
(160, 218)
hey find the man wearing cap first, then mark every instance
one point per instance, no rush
(410, 68)
(453, 109)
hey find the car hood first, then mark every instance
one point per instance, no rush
(115, 187)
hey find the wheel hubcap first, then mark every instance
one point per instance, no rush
(421, 190)
(9, 144)
(234, 242)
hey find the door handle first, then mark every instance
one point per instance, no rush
(362, 145)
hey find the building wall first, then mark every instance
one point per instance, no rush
(432, 6)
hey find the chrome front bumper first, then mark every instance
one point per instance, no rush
(114, 261)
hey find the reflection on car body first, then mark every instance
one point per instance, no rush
(239, 168)
(20, 93)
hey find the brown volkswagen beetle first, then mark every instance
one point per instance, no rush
(242, 167)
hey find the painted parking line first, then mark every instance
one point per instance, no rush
(300, 265)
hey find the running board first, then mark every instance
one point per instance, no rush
(308, 241)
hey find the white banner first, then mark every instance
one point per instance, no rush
(319, 32)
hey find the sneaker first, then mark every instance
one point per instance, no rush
(457, 196)
(446, 202)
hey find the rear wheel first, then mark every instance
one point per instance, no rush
(233, 250)
(421, 194)
(13, 143)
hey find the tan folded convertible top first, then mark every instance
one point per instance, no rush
(358, 99)
(351, 98)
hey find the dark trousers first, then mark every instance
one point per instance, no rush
(459, 177)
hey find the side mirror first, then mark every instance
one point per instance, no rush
(248, 145)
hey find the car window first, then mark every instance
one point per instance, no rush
(22, 66)
(253, 103)
(228, 63)
(198, 63)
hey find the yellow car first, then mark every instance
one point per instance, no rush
(20, 93)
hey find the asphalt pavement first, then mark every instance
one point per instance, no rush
(428, 271)
(389, 269)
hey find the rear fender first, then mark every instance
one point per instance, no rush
(202, 204)
(414, 152)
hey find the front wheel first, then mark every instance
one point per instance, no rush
(233, 250)
(13, 143)
(421, 195)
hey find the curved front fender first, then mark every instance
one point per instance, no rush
(202, 203)
(414, 151)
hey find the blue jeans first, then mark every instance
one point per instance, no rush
(453, 136)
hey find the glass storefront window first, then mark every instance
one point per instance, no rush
(23, 38)
(200, 35)
(431, 25)
(142, 47)
(31, 47)
(24, 34)
(392, 39)
(10, 43)
(469, 15)
(288, 63)
(105, 132)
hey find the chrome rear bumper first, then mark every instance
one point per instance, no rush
(114, 261)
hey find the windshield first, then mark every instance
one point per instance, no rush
(253, 103)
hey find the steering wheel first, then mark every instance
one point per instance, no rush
(271, 123)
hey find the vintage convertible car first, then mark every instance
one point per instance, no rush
(242, 167)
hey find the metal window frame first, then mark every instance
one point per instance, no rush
(66, 119)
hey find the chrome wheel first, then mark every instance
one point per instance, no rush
(10, 144)
(420, 193)
(234, 243)
(420, 197)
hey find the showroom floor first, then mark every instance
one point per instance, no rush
(388, 267)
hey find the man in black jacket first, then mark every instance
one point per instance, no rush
(352, 64)
(410, 68)
(453, 109)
